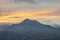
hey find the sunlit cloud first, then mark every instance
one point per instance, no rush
(18, 16)
(14, 11)
(16, 5)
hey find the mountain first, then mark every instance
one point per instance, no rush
(30, 25)
(3, 26)
(30, 30)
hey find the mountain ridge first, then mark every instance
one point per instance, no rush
(30, 30)
(28, 24)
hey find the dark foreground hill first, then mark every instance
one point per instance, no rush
(29, 30)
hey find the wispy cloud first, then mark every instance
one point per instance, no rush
(34, 9)
(46, 14)
(30, 1)
(15, 5)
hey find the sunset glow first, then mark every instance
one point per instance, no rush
(12, 11)
(18, 16)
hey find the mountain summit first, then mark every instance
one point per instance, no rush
(30, 25)
(30, 22)
(30, 30)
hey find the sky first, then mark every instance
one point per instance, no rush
(15, 11)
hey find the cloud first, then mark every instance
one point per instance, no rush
(18, 5)
(34, 9)
(30, 1)
(57, 12)
(37, 14)
(41, 15)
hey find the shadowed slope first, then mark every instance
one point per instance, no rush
(31, 25)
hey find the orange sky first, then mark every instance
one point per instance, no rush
(18, 16)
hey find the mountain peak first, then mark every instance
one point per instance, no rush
(27, 20)
(30, 22)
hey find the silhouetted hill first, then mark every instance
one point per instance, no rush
(30, 30)
(28, 24)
